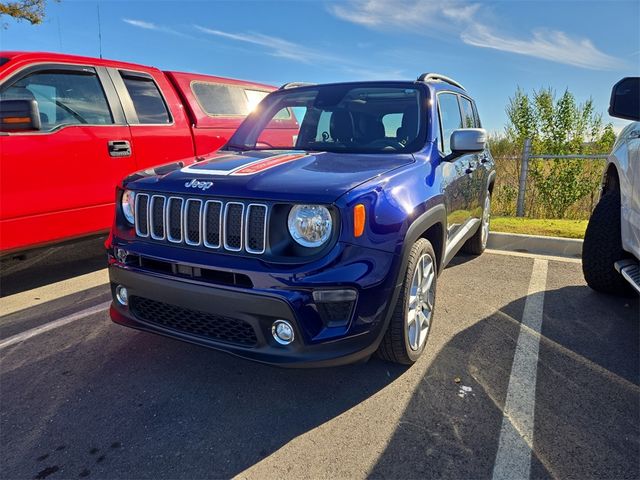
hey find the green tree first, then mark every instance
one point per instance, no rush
(30, 10)
(558, 126)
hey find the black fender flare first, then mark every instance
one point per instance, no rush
(434, 215)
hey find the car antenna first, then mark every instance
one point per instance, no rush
(99, 29)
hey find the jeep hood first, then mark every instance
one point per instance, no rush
(298, 176)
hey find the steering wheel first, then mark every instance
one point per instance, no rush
(386, 142)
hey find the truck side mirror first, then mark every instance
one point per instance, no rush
(19, 115)
(625, 99)
(468, 140)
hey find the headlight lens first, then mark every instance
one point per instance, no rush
(310, 225)
(128, 205)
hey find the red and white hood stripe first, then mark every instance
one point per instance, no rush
(250, 168)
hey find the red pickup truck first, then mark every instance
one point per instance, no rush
(72, 127)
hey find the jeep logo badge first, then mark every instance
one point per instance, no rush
(198, 184)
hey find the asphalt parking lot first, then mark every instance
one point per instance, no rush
(528, 373)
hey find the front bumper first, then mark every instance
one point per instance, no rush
(257, 309)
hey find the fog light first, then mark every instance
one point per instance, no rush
(121, 254)
(282, 332)
(122, 295)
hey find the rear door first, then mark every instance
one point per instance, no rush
(59, 182)
(456, 174)
(160, 129)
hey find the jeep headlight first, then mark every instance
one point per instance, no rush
(310, 225)
(128, 205)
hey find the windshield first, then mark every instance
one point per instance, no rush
(338, 118)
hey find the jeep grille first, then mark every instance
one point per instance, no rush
(213, 224)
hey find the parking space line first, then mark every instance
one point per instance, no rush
(513, 459)
(21, 337)
(554, 258)
(37, 296)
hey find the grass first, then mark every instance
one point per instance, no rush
(538, 226)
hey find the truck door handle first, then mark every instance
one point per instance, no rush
(119, 148)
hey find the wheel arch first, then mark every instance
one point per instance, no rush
(431, 225)
(610, 179)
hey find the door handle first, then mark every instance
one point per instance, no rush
(119, 148)
(484, 158)
(469, 170)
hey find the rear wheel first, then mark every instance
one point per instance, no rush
(602, 247)
(410, 325)
(477, 244)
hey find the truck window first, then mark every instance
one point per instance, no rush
(227, 100)
(147, 99)
(450, 118)
(63, 97)
(469, 119)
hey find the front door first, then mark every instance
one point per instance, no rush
(59, 182)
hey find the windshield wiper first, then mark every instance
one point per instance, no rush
(239, 148)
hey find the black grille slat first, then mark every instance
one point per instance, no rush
(207, 325)
(192, 228)
(174, 219)
(212, 222)
(157, 217)
(142, 215)
(233, 226)
(256, 228)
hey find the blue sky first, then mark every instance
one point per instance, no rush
(490, 47)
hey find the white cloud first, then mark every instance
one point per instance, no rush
(550, 45)
(141, 24)
(468, 22)
(279, 47)
(152, 26)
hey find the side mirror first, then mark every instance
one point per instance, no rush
(625, 99)
(19, 115)
(468, 140)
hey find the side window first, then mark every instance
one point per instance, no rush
(147, 100)
(392, 122)
(468, 117)
(254, 97)
(449, 117)
(224, 100)
(64, 97)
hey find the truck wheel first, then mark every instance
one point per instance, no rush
(478, 243)
(410, 324)
(602, 247)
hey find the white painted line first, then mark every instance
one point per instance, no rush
(21, 337)
(533, 255)
(53, 291)
(513, 460)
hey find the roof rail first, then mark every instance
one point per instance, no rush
(425, 77)
(289, 85)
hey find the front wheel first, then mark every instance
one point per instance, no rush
(410, 325)
(602, 247)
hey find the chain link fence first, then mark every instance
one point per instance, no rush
(547, 186)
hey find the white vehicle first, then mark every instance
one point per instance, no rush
(611, 251)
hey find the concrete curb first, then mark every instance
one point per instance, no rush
(556, 246)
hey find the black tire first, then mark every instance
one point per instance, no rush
(394, 346)
(602, 247)
(475, 245)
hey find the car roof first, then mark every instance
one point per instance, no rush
(433, 85)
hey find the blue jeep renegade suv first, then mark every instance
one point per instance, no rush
(321, 249)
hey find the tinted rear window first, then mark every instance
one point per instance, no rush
(230, 100)
(147, 100)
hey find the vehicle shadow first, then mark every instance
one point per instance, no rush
(587, 415)
(43, 266)
(176, 410)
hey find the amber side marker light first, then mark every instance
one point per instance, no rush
(14, 120)
(358, 220)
